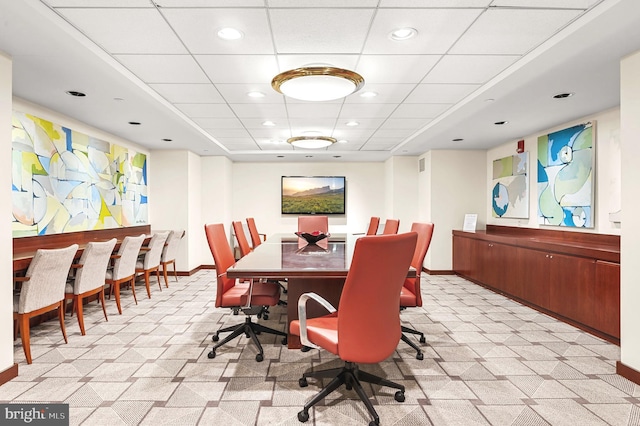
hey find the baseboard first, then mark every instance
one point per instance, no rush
(438, 272)
(194, 270)
(8, 374)
(628, 372)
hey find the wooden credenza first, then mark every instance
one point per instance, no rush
(572, 276)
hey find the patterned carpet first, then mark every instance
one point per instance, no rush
(488, 361)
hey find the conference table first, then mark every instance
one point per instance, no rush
(320, 268)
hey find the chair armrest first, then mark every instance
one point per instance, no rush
(302, 315)
(144, 248)
(77, 265)
(115, 256)
(264, 237)
(21, 279)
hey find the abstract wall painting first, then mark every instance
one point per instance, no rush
(510, 193)
(66, 181)
(565, 177)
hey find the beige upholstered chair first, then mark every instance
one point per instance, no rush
(149, 260)
(169, 253)
(89, 277)
(42, 291)
(124, 267)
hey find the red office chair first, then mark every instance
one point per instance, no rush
(313, 223)
(373, 225)
(249, 299)
(366, 326)
(391, 226)
(241, 238)
(256, 237)
(410, 296)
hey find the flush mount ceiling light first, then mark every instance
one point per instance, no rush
(311, 142)
(317, 83)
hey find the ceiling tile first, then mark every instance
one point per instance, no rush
(211, 3)
(411, 124)
(223, 135)
(198, 29)
(324, 3)
(138, 30)
(255, 124)
(396, 133)
(358, 111)
(437, 30)
(289, 62)
(99, 3)
(395, 68)
(311, 109)
(387, 93)
(206, 110)
(164, 68)
(263, 111)
(188, 93)
(477, 69)
(436, 3)
(511, 31)
(272, 133)
(244, 69)
(237, 93)
(440, 93)
(353, 134)
(363, 123)
(322, 125)
(312, 31)
(547, 4)
(219, 123)
(420, 110)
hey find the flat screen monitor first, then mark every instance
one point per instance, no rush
(313, 194)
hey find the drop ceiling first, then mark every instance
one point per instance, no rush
(471, 64)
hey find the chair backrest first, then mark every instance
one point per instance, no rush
(156, 245)
(368, 313)
(170, 250)
(94, 261)
(47, 274)
(241, 237)
(253, 232)
(373, 225)
(313, 223)
(222, 256)
(391, 226)
(425, 232)
(125, 265)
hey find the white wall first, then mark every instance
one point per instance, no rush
(6, 252)
(629, 242)
(216, 201)
(454, 184)
(256, 193)
(402, 184)
(607, 174)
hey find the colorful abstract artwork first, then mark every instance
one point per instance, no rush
(66, 181)
(510, 193)
(565, 177)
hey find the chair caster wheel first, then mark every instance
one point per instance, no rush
(284, 341)
(211, 355)
(348, 387)
(303, 382)
(305, 349)
(247, 335)
(285, 291)
(374, 423)
(399, 396)
(215, 338)
(420, 356)
(303, 416)
(265, 317)
(422, 339)
(259, 357)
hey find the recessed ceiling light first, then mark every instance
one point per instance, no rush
(489, 100)
(280, 156)
(308, 156)
(268, 123)
(118, 99)
(256, 95)
(343, 141)
(368, 94)
(352, 123)
(403, 33)
(562, 95)
(135, 123)
(230, 34)
(457, 140)
(337, 156)
(75, 93)
(500, 123)
(167, 140)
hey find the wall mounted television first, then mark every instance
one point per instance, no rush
(313, 194)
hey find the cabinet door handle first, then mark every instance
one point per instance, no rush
(551, 257)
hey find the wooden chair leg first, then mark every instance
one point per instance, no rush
(25, 336)
(158, 276)
(133, 289)
(164, 273)
(147, 278)
(77, 302)
(115, 288)
(104, 309)
(61, 316)
(175, 273)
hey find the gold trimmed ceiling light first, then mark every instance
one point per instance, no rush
(311, 142)
(317, 83)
